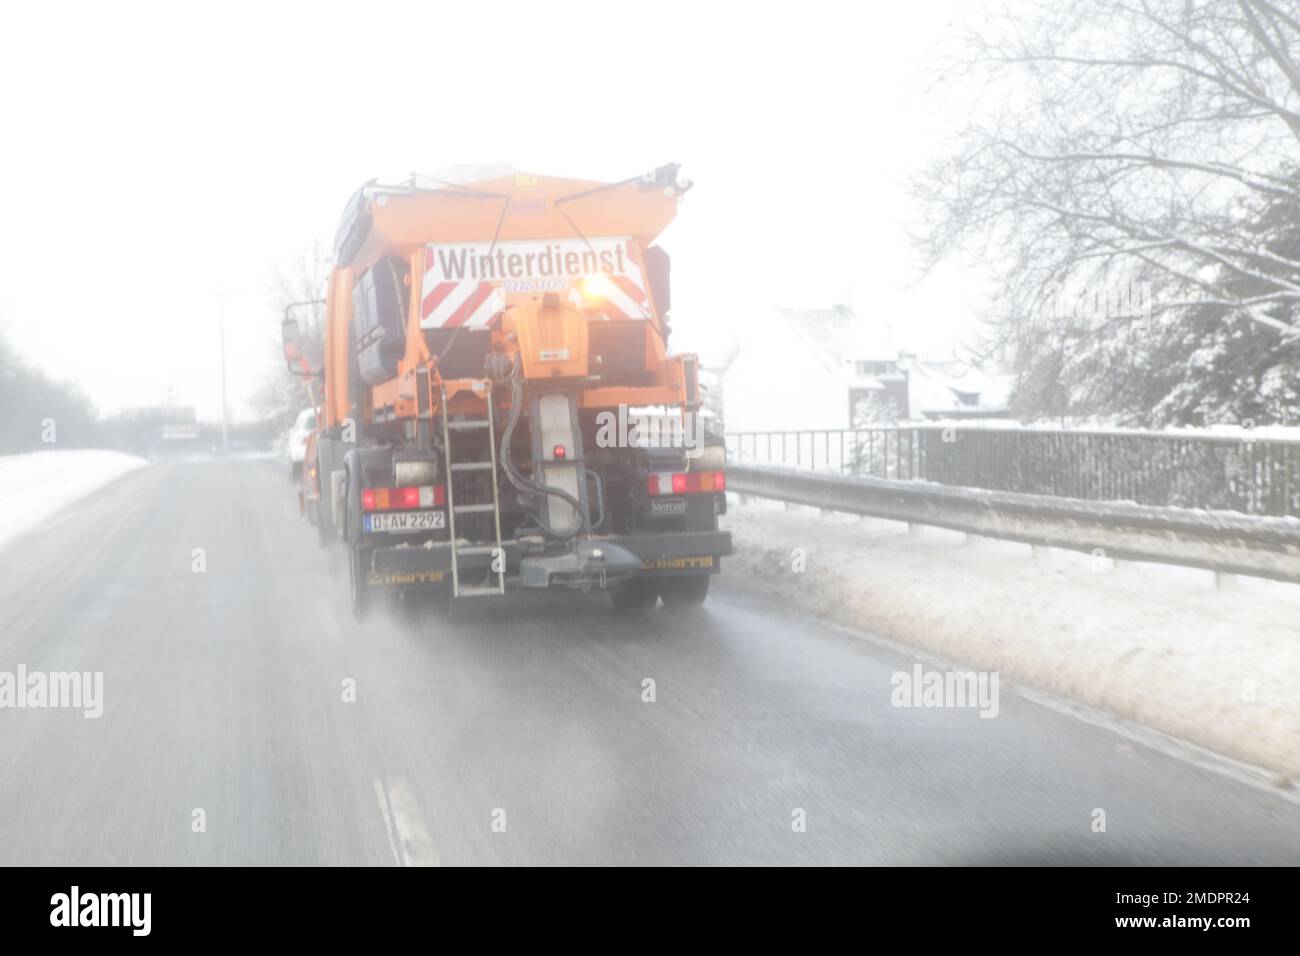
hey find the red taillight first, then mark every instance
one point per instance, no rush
(411, 497)
(558, 452)
(685, 483)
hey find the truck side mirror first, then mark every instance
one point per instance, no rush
(292, 337)
(295, 354)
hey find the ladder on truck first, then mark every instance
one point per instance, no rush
(475, 511)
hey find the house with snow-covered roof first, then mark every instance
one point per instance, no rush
(793, 369)
(811, 369)
(952, 389)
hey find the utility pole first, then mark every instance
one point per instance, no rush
(225, 418)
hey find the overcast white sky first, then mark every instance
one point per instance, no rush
(152, 155)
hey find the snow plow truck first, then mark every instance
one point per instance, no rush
(497, 401)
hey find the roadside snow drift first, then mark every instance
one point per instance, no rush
(37, 485)
(1151, 643)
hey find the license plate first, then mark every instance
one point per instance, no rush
(400, 521)
(668, 506)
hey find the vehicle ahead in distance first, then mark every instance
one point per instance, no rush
(486, 347)
(295, 448)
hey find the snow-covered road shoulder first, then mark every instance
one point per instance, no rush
(37, 485)
(1155, 644)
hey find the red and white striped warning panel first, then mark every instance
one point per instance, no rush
(464, 283)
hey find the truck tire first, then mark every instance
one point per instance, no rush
(363, 598)
(324, 507)
(633, 595)
(685, 592)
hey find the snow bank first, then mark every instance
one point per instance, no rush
(36, 485)
(1151, 643)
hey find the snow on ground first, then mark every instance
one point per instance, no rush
(36, 485)
(1083, 426)
(1159, 645)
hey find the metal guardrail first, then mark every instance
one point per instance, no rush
(1226, 542)
(1247, 474)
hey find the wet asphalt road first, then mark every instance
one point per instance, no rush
(224, 693)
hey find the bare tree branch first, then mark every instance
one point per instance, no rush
(1122, 141)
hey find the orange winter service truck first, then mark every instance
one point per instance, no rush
(500, 405)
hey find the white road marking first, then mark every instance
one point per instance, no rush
(408, 837)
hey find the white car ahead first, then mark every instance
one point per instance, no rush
(295, 448)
